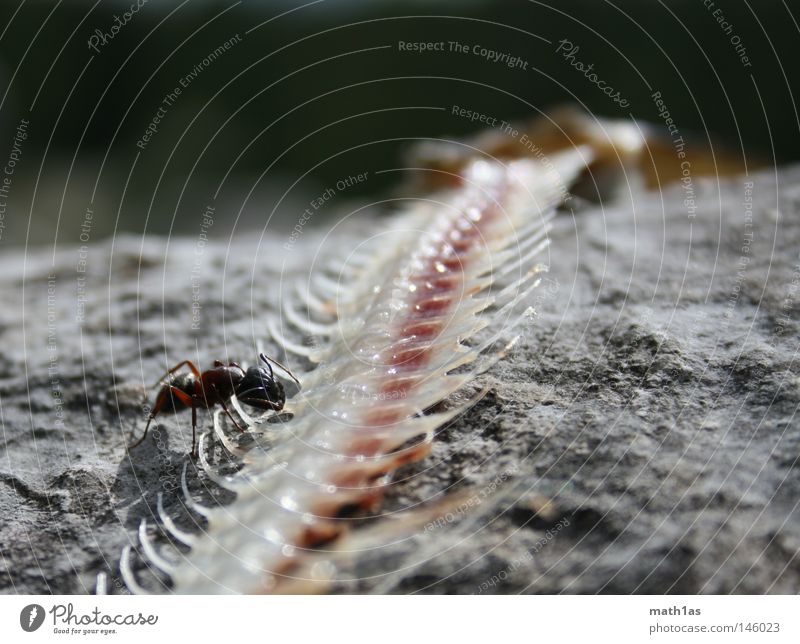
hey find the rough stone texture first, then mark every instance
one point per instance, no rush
(641, 437)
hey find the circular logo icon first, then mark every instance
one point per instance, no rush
(31, 617)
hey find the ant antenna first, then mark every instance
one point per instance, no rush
(267, 360)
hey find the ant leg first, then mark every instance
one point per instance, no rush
(146, 429)
(194, 430)
(221, 401)
(228, 411)
(161, 400)
(186, 363)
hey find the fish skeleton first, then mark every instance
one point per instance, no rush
(393, 331)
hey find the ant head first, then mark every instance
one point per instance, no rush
(266, 360)
(259, 389)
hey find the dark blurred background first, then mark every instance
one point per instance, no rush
(301, 100)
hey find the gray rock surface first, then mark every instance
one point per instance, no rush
(641, 437)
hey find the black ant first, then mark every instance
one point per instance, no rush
(256, 387)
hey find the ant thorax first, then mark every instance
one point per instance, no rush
(183, 381)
